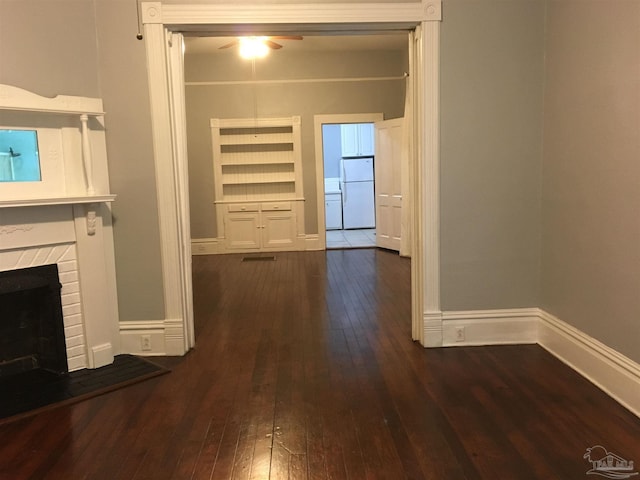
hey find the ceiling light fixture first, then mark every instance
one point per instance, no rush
(253, 47)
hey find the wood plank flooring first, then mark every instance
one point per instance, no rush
(304, 369)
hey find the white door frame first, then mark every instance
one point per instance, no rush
(160, 19)
(318, 122)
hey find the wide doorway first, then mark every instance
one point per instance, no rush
(169, 129)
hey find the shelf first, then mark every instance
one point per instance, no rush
(257, 181)
(17, 99)
(257, 139)
(230, 159)
(256, 159)
(37, 202)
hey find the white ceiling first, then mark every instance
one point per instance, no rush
(310, 43)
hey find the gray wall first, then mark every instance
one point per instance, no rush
(591, 170)
(331, 150)
(491, 133)
(74, 47)
(123, 85)
(38, 54)
(277, 100)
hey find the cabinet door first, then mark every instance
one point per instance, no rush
(366, 139)
(278, 230)
(349, 139)
(333, 214)
(242, 231)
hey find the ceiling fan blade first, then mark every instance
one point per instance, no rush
(273, 45)
(287, 37)
(230, 44)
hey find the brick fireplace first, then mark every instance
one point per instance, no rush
(56, 235)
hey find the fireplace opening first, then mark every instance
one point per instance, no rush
(32, 339)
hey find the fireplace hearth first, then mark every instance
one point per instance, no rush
(32, 339)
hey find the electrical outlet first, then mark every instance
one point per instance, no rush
(145, 341)
(459, 334)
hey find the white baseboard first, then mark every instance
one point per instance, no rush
(214, 246)
(205, 246)
(144, 338)
(432, 322)
(611, 371)
(490, 327)
(312, 242)
(101, 355)
(606, 368)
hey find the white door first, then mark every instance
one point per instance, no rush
(389, 183)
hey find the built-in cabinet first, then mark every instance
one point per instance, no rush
(259, 198)
(333, 211)
(358, 139)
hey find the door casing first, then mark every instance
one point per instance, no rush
(161, 20)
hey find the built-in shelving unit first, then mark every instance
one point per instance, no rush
(257, 162)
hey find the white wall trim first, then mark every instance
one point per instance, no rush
(609, 370)
(301, 14)
(312, 242)
(206, 246)
(428, 203)
(165, 337)
(606, 368)
(433, 328)
(490, 327)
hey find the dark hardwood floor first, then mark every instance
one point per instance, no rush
(304, 369)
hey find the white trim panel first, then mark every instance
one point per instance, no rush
(312, 242)
(609, 370)
(206, 246)
(490, 327)
(304, 14)
(153, 337)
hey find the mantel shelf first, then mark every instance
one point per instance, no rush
(37, 202)
(17, 99)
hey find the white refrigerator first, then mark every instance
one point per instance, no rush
(358, 201)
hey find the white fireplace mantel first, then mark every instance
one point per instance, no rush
(65, 218)
(38, 202)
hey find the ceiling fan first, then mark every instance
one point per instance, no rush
(265, 40)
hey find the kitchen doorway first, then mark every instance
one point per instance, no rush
(349, 185)
(330, 192)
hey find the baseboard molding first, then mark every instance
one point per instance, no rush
(490, 327)
(433, 327)
(205, 246)
(101, 355)
(144, 338)
(606, 368)
(611, 371)
(216, 246)
(312, 242)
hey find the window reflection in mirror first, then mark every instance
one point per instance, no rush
(19, 159)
